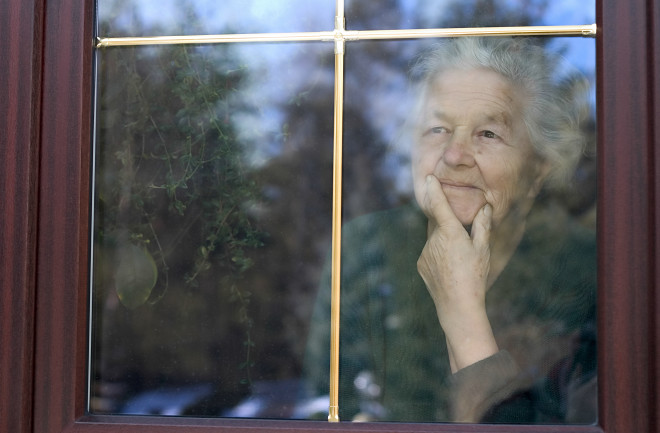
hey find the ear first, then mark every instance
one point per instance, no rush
(542, 170)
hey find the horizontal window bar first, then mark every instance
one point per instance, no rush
(576, 30)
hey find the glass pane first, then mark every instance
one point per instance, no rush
(191, 17)
(469, 130)
(212, 218)
(413, 14)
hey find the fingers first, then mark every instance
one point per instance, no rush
(481, 227)
(436, 204)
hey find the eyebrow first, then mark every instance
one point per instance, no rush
(499, 118)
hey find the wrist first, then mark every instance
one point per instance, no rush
(470, 341)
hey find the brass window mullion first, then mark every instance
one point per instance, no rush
(333, 415)
(335, 285)
(340, 32)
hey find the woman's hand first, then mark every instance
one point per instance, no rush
(454, 265)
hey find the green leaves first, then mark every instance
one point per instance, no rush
(135, 276)
(171, 169)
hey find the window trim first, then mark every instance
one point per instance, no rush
(45, 296)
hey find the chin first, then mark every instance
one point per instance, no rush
(466, 222)
(465, 213)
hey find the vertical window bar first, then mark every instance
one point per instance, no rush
(333, 414)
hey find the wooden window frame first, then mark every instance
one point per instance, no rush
(45, 130)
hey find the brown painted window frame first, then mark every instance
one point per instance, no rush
(45, 129)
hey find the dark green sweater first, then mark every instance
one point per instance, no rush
(393, 356)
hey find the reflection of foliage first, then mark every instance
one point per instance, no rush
(170, 172)
(172, 224)
(242, 298)
(135, 276)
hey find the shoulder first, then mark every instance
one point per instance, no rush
(402, 223)
(558, 247)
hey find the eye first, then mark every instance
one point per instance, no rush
(489, 134)
(439, 130)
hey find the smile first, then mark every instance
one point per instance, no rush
(457, 185)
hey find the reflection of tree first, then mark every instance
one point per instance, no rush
(493, 13)
(171, 205)
(297, 209)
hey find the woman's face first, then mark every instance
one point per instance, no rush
(472, 138)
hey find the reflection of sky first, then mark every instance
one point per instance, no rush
(235, 16)
(263, 125)
(571, 12)
(249, 16)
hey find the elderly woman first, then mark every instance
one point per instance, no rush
(507, 333)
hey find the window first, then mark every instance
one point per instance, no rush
(213, 189)
(59, 377)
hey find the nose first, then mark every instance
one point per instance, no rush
(459, 151)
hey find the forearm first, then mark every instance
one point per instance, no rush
(469, 340)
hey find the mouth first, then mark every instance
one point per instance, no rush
(457, 185)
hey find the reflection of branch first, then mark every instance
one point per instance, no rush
(224, 220)
(165, 267)
(211, 239)
(209, 107)
(167, 153)
(181, 233)
(244, 300)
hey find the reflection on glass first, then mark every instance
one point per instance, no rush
(425, 14)
(212, 224)
(529, 269)
(213, 187)
(119, 18)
